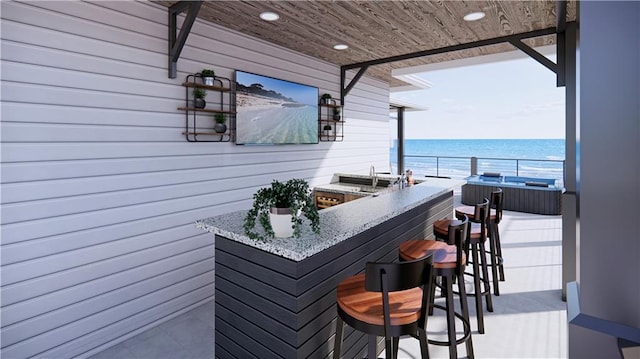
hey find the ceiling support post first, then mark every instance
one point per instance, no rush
(561, 25)
(176, 43)
(400, 159)
(561, 70)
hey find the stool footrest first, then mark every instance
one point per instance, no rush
(484, 292)
(466, 329)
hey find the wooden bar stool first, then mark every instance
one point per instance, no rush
(496, 205)
(390, 300)
(476, 238)
(449, 260)
(495, 252)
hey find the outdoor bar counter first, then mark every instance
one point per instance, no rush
(275, 298)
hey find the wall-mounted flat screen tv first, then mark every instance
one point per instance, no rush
(273, 111)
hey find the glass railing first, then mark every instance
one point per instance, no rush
(461, 167)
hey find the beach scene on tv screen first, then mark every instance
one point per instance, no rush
(273, 111)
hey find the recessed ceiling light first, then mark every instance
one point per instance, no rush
(473, 16)
(269, 16)
(340, 47)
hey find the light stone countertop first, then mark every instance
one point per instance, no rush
(342, 188)
(337, 223)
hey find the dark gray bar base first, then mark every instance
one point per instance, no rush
(268, 306)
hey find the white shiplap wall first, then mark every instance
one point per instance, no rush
(100, 189)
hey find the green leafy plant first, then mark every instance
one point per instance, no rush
(219, 118)
(199, 92)
(325, 98)
(294, 194)
(208, 73)
(336, 113)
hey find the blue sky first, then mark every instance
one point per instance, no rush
(298, 92)
(506, 99)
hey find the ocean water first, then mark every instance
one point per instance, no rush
(277, 125)
(540, 158)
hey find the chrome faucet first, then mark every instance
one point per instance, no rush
(374, 177)
(402, 181)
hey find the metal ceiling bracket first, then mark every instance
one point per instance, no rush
(176, 43)
(343, 73)
(559, 68)
(508, 38)
(535, 55)
(465, 46)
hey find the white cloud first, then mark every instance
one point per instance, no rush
(530, 110)
(459, 108)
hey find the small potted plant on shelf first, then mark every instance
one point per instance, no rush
(220, 126)
(198, 97)
(327, 130)
(208, 76)
(325, 99)
(336, 113)
(278, 209)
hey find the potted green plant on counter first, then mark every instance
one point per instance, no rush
(198, 97)
(220, 126)
(208, 76)
(281, 205)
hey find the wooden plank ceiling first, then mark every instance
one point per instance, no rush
(379, 29)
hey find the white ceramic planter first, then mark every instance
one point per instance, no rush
(281, 222)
